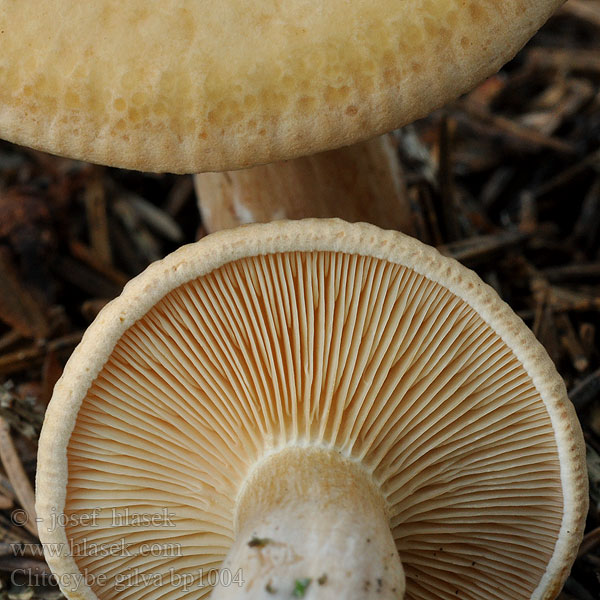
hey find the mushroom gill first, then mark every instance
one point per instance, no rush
(354, 356)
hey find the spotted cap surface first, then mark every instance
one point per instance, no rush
(203, 85)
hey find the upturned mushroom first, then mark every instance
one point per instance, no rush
(310, 409)
(187, 86)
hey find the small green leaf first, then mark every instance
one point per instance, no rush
(300, 587)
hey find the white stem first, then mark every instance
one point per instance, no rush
(362, 182)
(312, 524)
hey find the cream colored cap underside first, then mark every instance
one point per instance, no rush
(335, 351)
(320, 332)
(201, 85)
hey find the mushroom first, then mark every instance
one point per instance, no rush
(218, 85)
(310, 409)
(361, 182)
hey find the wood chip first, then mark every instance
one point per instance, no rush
(571, 342)
(586, 391)
(582, 9)
(18, 479)
(97, 220)
(511, 129)
(18, 308)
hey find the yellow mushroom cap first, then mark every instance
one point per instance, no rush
(190, 86)
(316, 334)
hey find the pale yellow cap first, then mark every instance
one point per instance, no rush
(192, 86)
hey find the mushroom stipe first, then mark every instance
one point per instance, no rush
(283, 401)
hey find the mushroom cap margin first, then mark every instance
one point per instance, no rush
(202, 257)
